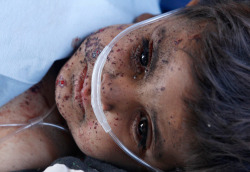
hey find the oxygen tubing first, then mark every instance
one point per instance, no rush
(32, 122)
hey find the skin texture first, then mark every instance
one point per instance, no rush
(131, 93)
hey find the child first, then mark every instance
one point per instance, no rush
(175, 92)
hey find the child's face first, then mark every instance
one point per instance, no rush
(146, 112)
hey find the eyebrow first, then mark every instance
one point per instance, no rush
(155, 54)
(153, 66)
(156, 135)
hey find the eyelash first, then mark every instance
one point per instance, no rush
(142, 135)
(143, 50)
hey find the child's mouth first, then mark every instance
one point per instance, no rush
(79, 84)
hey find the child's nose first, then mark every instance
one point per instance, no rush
(116, 92)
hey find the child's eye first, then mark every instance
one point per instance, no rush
(142, 132)
(144, 59)
(142, 56)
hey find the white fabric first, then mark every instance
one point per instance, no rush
(35, 33)
(60, 168)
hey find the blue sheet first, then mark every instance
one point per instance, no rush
(33, 34)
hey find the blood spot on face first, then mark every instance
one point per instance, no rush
(101, 30)
(121, 27)
(162, 88)
(165, 61)
(177, 42)
(61, 82)
(26, 102)
(96, 53)
(66, 97)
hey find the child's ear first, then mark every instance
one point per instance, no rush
(143, 17)
(193, 2)
(147, 15)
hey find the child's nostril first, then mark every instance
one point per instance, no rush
(107, 107)
(89, 91)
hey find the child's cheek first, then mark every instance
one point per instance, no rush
(91, 138)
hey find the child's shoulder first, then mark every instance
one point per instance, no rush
(37, 146)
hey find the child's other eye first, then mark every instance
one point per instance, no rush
(144, 57)
(142, 132)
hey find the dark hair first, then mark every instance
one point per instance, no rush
(220, 67)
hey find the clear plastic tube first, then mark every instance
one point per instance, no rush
(41, 123)
(96, 84)
(12, 125)
(53, 125)
(3, 139)
(33, 122)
